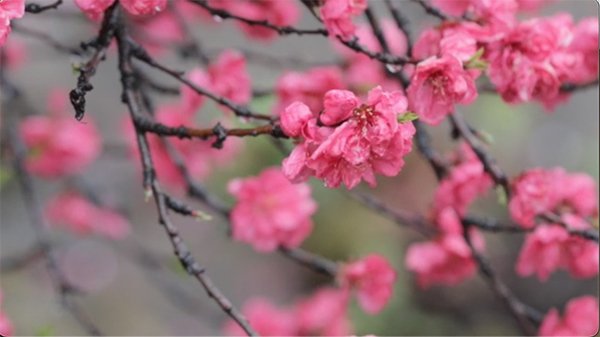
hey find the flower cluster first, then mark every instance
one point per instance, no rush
(6, 328)
(572, 198)
(525, 61)
(270, 211)
(9, 9)
(447, 259)
(75, 213)
(349, 141)
(324, 312)
(95, 9)
(59, 145)
(580, 319)
(276, 12)
(226, 77)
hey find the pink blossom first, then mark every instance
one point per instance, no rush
(94, 9)
(191, 100)
(550, 247)
(452, 7)
(265, 318)
(15, 54)
(308, 87)
(585, 46)
(323, 314)
(6, 327)
(58, 144)
(337, 16)
(270, 211)
(373, 278)
(355, 142)
(280, 13)
(465, 182)
(9, 9)
(538, 191)
(295, 117)
(143, 7)
(158, 31)
(77, 214)
(229, 78)
(446, 260)
(437, 84)
(532, 5)
(580, 319)
(461, 40)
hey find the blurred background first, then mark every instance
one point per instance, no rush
(128, 293)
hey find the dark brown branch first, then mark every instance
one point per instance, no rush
(432, 10)
(403, 24)
(423, 140)
(555, 219)
(46, 38)
(87, 70)
(36, 8)
(150, 182)
(569, 87)
(312, 261)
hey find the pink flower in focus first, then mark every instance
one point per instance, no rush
(355, 140)
(77, 214)
(580, 319)
(58, 145)
(323, 314)
(373, 277)
(143, 7)
(270, 211)
(94, 9)
(437, 84)
(337, 16)
(265, 318)
(550, 247)
(294, 118)
(308, 87)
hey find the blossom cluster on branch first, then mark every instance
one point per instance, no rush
(349, 121)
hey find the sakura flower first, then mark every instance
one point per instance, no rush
(191, 100)
(15, 54)
(337, 16)
(143, 7)
(351, 141)
(265, 318)
(154, 33)
(77, 214)
(452, 7)
(9, 9)
(437, 85)
(6, 327)
(295, 117)
(585, 46)
(373, 278)
(308, 87)
(465, 182)
(270, 211)
(580, 319)
(538, 191)
(323, 314)
(58, 145)
(550, 247)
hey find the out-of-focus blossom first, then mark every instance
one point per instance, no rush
(15, 54)
(351, 141)
(437, 85)
(265, 319)
(373, 278)
(307, 87)
(337, 16)
(77, 214)
(580, 319)
(323, 314)
(271, 211)
(143, 7)
(94, 9)
(9, 9)
(57, 144)
(551, 247)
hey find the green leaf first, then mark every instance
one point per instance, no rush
(501, 195)
(475, 62)
(409, 116)
(46, 330)
(485, 136)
